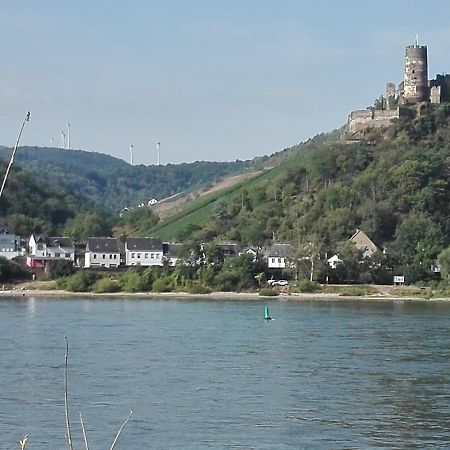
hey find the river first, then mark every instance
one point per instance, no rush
(205, 374)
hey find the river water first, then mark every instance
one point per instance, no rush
(215, 375)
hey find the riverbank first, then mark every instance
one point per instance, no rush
(284, 296)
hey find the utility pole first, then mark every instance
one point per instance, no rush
(131, 153)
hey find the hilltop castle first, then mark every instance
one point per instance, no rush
(415, 89)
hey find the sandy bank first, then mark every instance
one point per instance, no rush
(60, 294)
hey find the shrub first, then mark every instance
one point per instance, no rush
(105, 285)
(59, 269)
(133, 281)
(11, 271)
(357, 291)
(163, 284)
(267, 292)
(307, 286)
(79, 282)
(199, 289)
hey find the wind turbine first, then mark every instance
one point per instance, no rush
(63, 139)
(68, 136)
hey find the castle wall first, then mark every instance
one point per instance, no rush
(435, 94)
(362, 120)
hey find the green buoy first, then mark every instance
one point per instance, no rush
(266, 314)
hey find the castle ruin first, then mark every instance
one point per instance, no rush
(415, 89)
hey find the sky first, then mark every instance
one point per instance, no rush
(215, 80)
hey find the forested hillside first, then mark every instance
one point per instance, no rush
(395, 187)
(29, 204)
(111, 182)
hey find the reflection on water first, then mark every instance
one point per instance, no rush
(214, 374)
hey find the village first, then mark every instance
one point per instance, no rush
(39, 251)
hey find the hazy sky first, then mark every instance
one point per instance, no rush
(210, 79)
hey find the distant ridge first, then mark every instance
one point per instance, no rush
(113, 183)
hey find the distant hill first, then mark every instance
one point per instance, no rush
(29, 204)
(111, 182)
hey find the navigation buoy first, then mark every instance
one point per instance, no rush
(266, 314)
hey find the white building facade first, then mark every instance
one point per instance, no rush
(145, 251)
(102, 252)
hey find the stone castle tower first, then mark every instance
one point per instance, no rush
(415, 88)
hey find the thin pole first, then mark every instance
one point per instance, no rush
(84, 432)
(27, 118)
(68, 136)
(131, 153)
(66, 400)
(158, 146)
(120, 430)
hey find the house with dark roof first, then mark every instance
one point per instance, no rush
(172, 252)
(143, 251)
(279, 256)
(42, 249)
(102, 252)
(10, 244)
(229, 248)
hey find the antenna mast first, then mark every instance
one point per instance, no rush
(158, 145)
(131, 153)
(27, 118)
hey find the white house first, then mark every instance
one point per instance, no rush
(102, 252)
(334, 261)
(143, 251)
(43, 249)
(279, 256)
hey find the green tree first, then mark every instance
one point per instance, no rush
(444, 262)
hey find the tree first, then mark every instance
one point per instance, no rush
(444, 262)
(61, 268)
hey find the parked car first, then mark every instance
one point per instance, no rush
(278, 282)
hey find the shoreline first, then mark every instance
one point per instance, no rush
(232, 296)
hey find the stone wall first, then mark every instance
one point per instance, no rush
(363, 120)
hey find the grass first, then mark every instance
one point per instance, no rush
(411, 292)
(268, 292)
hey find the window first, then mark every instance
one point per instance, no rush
(138, 255)
(115, 256)
(273, 260)
(57, 255)
(94, 256)
(67, 255)
(110, 256)
(104, 256)
(146, 255)
(133, 255)
(152, 255)
(158, 256)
